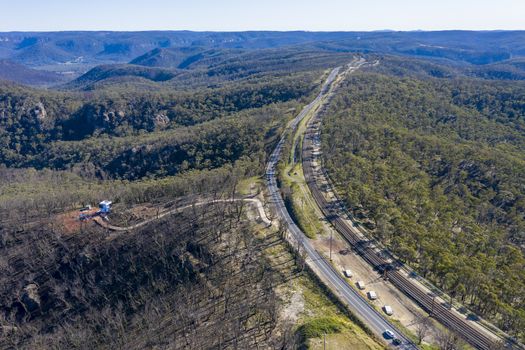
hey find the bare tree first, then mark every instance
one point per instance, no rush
(448, 340)
(422, 328)
(283, 229)
(499, 345)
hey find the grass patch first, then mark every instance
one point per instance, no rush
(321, 312)
(317, 327)
(300, 202)
(246, 186)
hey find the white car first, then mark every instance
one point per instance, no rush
(348, 273)
(388, 310)
(360, 285)
(372, 295)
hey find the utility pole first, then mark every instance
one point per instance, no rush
(331, 233)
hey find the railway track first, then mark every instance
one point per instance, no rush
(356, 303)
(472, 335)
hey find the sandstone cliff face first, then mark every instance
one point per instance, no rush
(40, 112)
(161, 120)
(31, 298)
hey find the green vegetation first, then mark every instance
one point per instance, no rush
(133, 135)
(317, 327)
(299, 201)
(434, 167)
(297, 196)
(321, 315)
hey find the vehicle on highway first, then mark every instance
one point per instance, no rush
(389, 334)
(396, 341)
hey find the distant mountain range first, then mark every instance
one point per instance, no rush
(17, 72)
(183, 57)
(107, 47)
(75, 53)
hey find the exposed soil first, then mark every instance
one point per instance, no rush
(70, 221)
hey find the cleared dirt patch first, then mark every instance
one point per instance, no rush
(70, 221)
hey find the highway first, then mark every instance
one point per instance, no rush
(474, 336)
(375, 321)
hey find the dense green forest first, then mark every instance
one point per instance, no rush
(435, 168)
(135, 134)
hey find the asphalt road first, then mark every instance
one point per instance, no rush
(334, 280)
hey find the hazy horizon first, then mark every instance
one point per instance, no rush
(261, 30)
(271, 15)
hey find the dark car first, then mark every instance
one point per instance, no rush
(388, 334)
(396, 341)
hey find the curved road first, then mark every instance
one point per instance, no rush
(357, 304)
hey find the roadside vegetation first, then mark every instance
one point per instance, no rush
(299, 201)
(296, 194)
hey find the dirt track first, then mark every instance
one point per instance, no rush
(258, 204)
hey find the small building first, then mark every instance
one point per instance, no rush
(360, 285)
(348, 273)
(388, 310)
(105, 206)
(372, 295)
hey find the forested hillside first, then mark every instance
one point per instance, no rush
(133, 134)
(160, 55)
(17, 72)
(434, 167)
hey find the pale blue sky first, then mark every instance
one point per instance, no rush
(229, 15)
